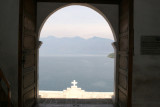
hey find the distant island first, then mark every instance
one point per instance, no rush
(75, 45)
(111, 55)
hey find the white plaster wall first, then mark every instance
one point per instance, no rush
(9, 14)
(146, 68)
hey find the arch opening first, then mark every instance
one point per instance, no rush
(84, 5)
(98, 84)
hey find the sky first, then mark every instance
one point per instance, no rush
(74, 21)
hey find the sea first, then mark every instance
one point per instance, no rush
(94, 73)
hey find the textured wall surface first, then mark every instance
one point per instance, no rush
(9, 14)
(146, 68)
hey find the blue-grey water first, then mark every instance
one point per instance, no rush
(93, 73)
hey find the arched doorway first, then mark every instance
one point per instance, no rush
(89, 55)
(28, 53)
(94, 10)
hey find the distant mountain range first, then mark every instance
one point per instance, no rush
(76, 45)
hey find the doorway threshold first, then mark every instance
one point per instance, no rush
(52, 102)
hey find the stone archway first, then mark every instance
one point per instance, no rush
(29, 43)
(112, 22)
(62, 8)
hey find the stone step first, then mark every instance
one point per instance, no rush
(74, 101)
(74, 105)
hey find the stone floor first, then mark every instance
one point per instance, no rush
(74, 103)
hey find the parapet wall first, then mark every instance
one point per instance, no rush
(75, 93)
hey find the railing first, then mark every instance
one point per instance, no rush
(2, 77)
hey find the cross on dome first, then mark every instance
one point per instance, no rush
(74, 83)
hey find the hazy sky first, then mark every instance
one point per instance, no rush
(76, 20)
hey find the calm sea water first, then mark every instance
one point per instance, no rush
(93, 73)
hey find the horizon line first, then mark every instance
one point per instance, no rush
(75, 37)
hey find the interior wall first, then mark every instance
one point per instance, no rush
(9, 18)
(146, 68)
